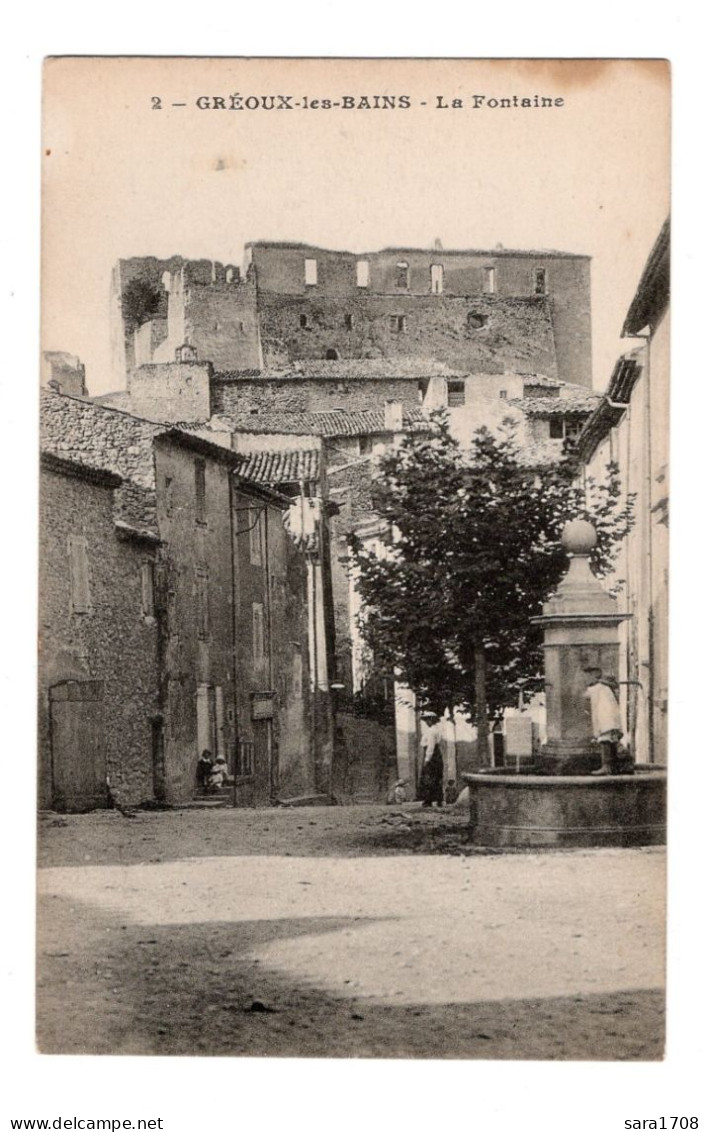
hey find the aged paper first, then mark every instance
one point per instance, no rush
(267, 272)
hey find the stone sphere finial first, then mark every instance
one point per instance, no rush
(579, 537)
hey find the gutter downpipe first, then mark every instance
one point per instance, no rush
(647, 405)
(235, 637)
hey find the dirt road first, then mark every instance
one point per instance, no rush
(354, 932)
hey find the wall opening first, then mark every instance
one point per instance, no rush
(437, 278)
(456, 394)
(362, 272)
(402, 276)
(311, 272)
(331, 355)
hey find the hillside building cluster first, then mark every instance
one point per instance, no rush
(196, 591)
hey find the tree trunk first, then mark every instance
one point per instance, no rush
(483, 745)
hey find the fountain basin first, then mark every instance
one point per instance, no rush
(527, 811)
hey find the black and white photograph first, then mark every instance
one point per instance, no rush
(354, 559)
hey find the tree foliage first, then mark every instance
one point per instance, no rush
(472, 554)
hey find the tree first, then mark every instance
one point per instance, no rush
(473, 552)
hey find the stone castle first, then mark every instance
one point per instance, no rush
(472, 310)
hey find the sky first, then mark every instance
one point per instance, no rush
(121, 178)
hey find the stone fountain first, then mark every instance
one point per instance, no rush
(561, 802)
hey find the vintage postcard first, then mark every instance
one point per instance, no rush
(354, 558)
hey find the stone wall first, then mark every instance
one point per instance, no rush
(280, 275)
(482, 333)
(308, 395)
(171, 392)
(115, 642)
(222, 324)
(98, 436)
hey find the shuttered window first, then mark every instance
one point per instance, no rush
(202, 586)
(79, 574)
(200, 491)
(259, 643)
(147, 588)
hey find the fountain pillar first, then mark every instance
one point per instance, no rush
(580, 623)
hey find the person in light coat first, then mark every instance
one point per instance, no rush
(606, 722)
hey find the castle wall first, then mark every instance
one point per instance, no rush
(281, 313)
(484, 333)
(222, 324)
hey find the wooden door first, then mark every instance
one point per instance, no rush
(78, 753)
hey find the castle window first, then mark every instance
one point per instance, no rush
(230, 274)
(365, 445)
(331, 355)
(456, 394)
(540, 281)
(402, 276)
(437, 278)
(397, 323)
(362, 272)
(304, 321)
(489, 281)
(311, 272)
(200, 491)
(349, 322)
(503, 394)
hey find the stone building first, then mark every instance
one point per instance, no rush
(237, 633)
(193, 626)
(64, 373)
(476, 310)
(98, 669)
(630, 426)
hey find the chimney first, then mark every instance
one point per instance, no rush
(393, 416)
(437, 245)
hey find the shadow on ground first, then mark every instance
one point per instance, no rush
(107, 987)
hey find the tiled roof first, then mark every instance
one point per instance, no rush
(332, 424)
(403, 367)
(280, 467)
(611, 408)
(556, 406)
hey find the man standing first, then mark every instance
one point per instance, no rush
(605, 719)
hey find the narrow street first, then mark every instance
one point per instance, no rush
(353, 932)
